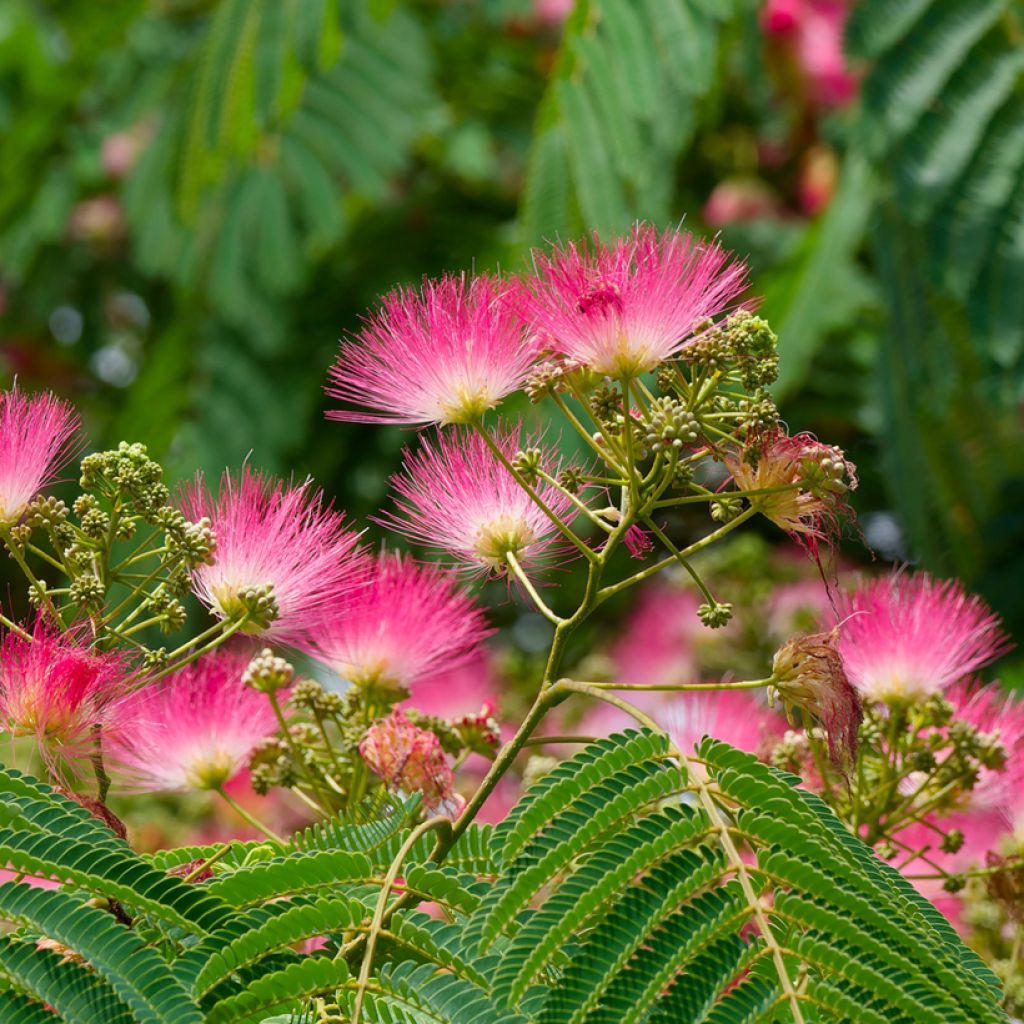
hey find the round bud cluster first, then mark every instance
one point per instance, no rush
(268, 672)
(606, 403)
(754, 346)
(547, 376)
(666, 378)
(571, 480)
(726, 508)
(258, 604)
(824, 469)
(95, 523)
(759, 414)
(127, 470)
(88, 591)
(164, 603)
(46, 513)
(309, 695)
(952, 841)
(670, 425)
(156, 657)
(20, 535)
(527, 464)
(194, 543)
(270, 764)
(682, 475)
(716, 615)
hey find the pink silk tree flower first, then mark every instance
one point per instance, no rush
(455, 496)
(56, 688)
(408, 622)
(904, 638)
(38, 435)
(282, 554)
(621, 309)
(803, 484)
(411, 760)
(196, 728)
(735, 717)
(999, 715)
(444, 354)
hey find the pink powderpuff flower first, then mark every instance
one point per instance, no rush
(657, 644)
(1000, 715)
(455, 496)
(904, 638)
(196, 728)
(803, 484)
(735, 717)
(412, 760)
(56, 688)
(282, 555)
(621, 309)
(40, 435)
(445, 354)
(458, 690)
(409, 621)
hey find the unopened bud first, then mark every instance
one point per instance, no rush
(268, 672)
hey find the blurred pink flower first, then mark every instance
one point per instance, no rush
(621, 309)
(737, 200)
(445, 354)
(460, 690)
(553, 12)
(813, 31)
(411, 760)
(906, 637)
(993, 711)
(408, 622)
(99, 219)
(40, 435)
(656, 645)
(798, 607)
(736, 717)
(196, 728)
(282, 555)
(58, 689)
(456, 497)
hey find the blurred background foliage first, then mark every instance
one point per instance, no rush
(198, 198)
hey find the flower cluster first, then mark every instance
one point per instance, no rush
(411, 760)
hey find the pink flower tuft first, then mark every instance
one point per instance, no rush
(735, 717)
(56, 688)
(460, 690)
(805, 481)
(623, 308)
(657, 645)
(195, 729)
(412, 760)
(40, 434)
(455, 496)
(282, 555)
(445, 354)
(1001, 715)
(908, 637)
(410, 621)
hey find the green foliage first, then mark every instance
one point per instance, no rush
(943, 111)
(621, 106)
(673, 889)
